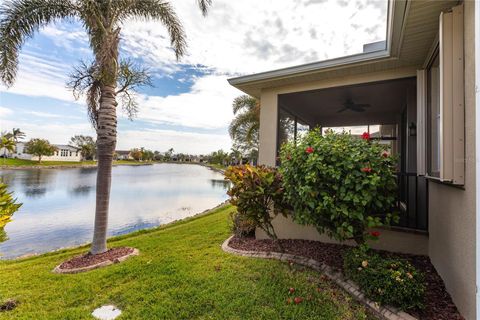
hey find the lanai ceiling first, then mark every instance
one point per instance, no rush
(325, 107)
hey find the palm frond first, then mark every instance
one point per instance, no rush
(244, 102)
(18, 21)
(94, 94)
(241, 123)
(87, 79)
(132, 75)
(155, 10)
(204, 5)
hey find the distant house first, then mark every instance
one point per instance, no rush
(63, 153)
(123, 155)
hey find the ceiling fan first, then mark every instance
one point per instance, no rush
(352, 106)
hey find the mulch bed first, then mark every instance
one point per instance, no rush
(438, 303)
(89, 259)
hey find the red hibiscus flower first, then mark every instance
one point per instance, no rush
(385, 154)
(366, 136)
(309, 150)
(367, 169)
(375, 234)
(289, 157)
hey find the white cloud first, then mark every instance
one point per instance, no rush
(5, 112)
(54, 132)
(67, 39)
(40, 76)
(162, 140)
(237, 37)
(251, 36)
(50, 115)
(207, 105)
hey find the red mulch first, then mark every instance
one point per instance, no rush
(92, 259)
(438, 303)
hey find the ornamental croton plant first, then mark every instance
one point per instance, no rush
(341, 184)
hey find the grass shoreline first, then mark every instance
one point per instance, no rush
(12, 164)
(28, 164)
(113, 239)
(181, 273)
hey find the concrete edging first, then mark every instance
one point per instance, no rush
(384, 312)
(57, 269)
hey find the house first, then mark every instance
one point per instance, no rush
(417, 93)
(63, 153)
(123, 155)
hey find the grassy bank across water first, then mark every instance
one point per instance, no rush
(21, 163)
(181, 273)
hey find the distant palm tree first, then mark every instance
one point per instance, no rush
(7, 144)
(245, 126)
(17, 134)
(102, 21)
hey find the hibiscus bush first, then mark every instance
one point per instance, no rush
(341, 184)
(257, 192)
(388, 281)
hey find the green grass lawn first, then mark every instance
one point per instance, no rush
(26, 163)
(181, 273)
(216, 166)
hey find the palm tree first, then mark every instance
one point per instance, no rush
(245, 125)
(7, 144)
(102, 20)
(17, 134)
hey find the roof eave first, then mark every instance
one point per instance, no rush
(310, 67)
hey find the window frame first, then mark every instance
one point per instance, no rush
(450, 44)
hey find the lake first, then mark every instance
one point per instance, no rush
(59, 204)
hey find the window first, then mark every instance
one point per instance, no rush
(441, 107)
(433, 117)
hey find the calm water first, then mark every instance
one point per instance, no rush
(58, 204)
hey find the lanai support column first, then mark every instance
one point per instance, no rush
(268, 128)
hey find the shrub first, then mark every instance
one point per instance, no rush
(340, 184)
(242, 226)
(258, 194)
(387, 281)
(8, 207)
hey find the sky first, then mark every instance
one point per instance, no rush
(189, 106)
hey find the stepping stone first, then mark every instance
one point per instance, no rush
(108, 312)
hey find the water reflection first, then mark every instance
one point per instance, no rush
(81, 191)
(220, 183)
(35, 182)
(58, 204)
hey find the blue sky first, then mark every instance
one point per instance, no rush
(189, 107)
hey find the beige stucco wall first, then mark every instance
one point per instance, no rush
(452, 210)
(390, 240)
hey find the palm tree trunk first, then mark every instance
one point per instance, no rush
(106, 141)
